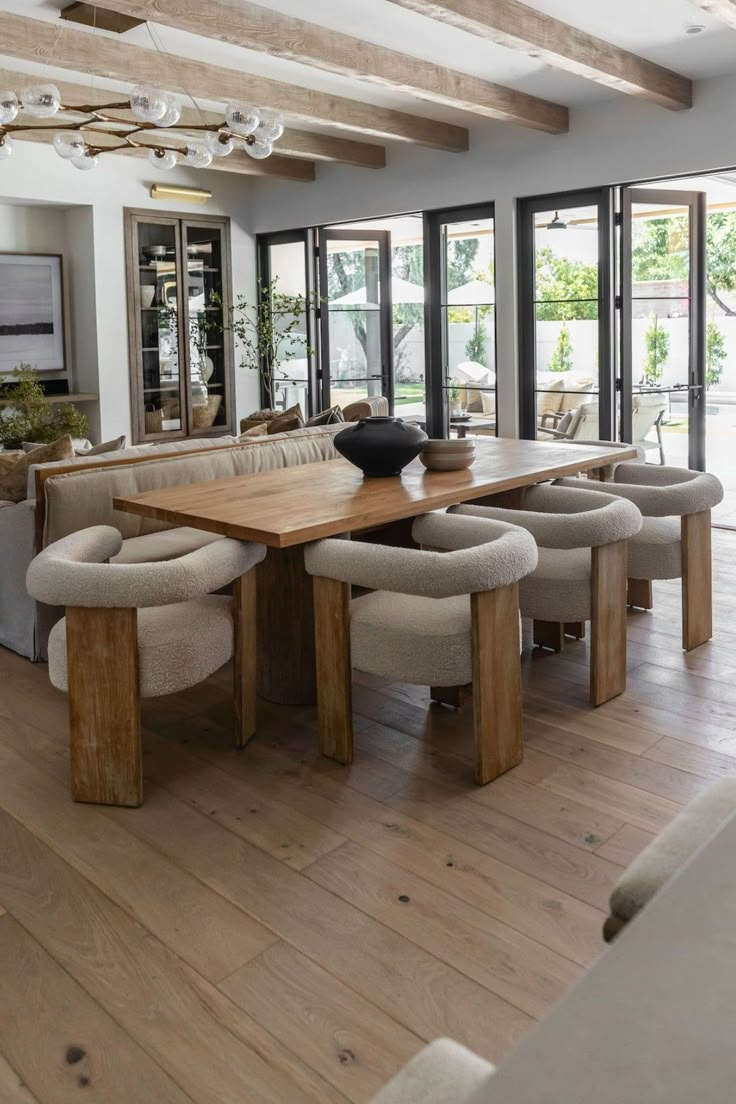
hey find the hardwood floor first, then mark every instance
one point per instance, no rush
(273, 928)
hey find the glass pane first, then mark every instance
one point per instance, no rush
(469, 325)
(206, 335)
(566, 254)
(159, 327)
(353, 276)
(660, 243)
(407, 294)
(567, 371)
(288, 266)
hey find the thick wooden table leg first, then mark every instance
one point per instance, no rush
(608, 622)
(285, 613)
(549, 634)
(334, 669)
(104, 706)
(697, 580)
(640, 593)
(244, 658)
(496, 682)
(448, 695)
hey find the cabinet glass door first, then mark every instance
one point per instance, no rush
(157, 326)
(205, 300)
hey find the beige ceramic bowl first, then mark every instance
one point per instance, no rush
(447, 459)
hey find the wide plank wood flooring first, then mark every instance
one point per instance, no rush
(272, 928)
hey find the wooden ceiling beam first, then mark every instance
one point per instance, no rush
(725, 10)
(519, 27)
(256, 27)
(286, 168)
(85, 52)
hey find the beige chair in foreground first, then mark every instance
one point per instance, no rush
(140, 630)
(668, 852)
(442, 1073)
(581, 574)
(434, 619)
(675, 538)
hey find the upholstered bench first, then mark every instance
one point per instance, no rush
(665, 855)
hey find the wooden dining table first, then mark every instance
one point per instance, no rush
(288, 508)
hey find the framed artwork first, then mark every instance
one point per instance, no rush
(31, 312)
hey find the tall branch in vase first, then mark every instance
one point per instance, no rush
(270, 331)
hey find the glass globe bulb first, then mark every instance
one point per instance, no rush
(259, 149)
(172, 115)
(85, 161)
(69, 143)
(162, 159)
(241, 119)
(9, 107)
(219, 144)
(6, 147)
(198, 156)
(271, 127)
(41, 100)
(148, 104)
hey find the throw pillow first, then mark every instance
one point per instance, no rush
(290, 420)
(327, 417)
(13, 483)
(107, 446)
(255, 431)
(258, 417)
(8, 460)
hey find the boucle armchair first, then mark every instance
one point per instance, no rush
(691, 829)
(140, 630)
(438, 619)
(675, 538)
(581, 575)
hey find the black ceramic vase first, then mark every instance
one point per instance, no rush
(380, 446)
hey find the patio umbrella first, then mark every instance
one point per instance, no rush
(402, 291)
(476, 293)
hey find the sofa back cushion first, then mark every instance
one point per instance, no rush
(79, 499)
(190, 444)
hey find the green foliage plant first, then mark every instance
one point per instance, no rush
(561, 359)
(26, 415)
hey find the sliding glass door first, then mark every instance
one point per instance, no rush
(662, 375)
(355, 315)
(565, 315)
(460, 320)
(286, 267)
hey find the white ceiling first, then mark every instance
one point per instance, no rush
(656, 29)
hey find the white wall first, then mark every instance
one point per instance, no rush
(613, 142)
(85, 223)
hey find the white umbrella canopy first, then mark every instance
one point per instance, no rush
(402, 291)
(476, 293)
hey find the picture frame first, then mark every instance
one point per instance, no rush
(32, 312)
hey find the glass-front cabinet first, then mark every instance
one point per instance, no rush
(181, 351)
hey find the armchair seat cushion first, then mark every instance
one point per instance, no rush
(655, 552)
(167, 544)
(559, 588)
(442, 1073)
(671, 849)
(171, 656)
(425, 641)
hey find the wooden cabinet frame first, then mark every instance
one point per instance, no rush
(134, 218)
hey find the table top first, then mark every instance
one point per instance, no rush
(653, 1019)
(295, 505)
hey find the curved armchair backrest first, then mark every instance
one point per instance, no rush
(659, 491)
(73, 572)
(488, 556)
(372, 407)
(558, 517)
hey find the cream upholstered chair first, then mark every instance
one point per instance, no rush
(433, 619)
(139, 630)
(674, 541)
(442, 1073)
(374, 406)
(581, 574)
(668, 852)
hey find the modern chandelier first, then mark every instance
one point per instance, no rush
(77, 127)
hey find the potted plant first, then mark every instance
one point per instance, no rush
(26, 415)
(264, 331)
